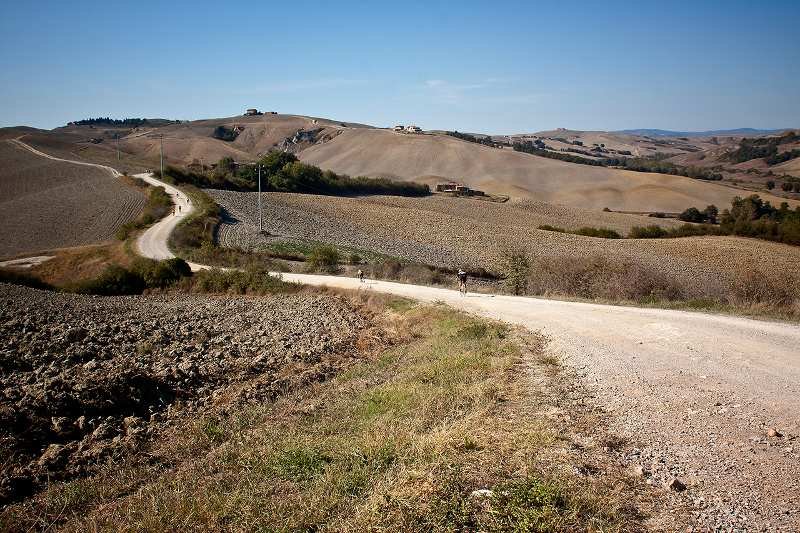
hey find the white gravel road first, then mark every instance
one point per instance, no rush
(153, 242)
(713, 400)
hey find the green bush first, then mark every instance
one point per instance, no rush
(249, 281)
(586, 231)
(224, 134)
(647, 232)
(325, 258)
(692, 215)
(516, 268)
(161, 274)
(158, 205)
(603, 233)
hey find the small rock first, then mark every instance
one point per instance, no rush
(676, 484)
(51, 455)
(60, 425)
(772, 432)
(639, 471)
(481, 493)
(76, 334)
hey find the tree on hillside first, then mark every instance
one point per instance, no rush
(710, 214)
(692, 215)
(273, 162)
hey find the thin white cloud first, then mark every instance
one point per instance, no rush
(493, 90)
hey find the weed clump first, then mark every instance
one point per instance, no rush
(324, 258)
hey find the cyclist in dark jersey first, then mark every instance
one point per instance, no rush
(462, 281)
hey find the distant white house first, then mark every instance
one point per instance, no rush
(399, 127)
(252, 112)
(413, 129)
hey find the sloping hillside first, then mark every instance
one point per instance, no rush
(382, 153)
(46, 204)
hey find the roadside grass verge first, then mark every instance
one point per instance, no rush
(400, 441)
(606, 280)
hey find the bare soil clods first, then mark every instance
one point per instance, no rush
(86, 378)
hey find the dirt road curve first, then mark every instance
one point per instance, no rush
(713, 400)
(153, 242)
(114, 172)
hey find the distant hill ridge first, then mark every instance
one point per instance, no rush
(671, 133)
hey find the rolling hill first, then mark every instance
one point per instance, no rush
(46, 204)
(357, 149)
(432, 158)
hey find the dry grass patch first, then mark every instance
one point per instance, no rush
(72, 265)
(401, 441)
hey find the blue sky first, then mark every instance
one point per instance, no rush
(495, 67)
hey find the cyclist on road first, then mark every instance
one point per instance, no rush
(462, 281)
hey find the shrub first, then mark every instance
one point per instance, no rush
(161, 274)
(282, 171)
(249, 281)
(224, 134)
(516, 268)
(603, 233)
(770, 184)
(599, 277)
(692, 215)
(114, 280)
(158, 205)
(647, 232)
(325, 258)
(586, 231)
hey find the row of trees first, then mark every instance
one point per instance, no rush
(709, 215)
(637, 164)
(487, 141)
(533, 147)
(747, 217)
(283, 172)
(764, 147)
(106, 121)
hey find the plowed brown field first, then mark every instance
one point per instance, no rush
(46, 204)
(453, 232)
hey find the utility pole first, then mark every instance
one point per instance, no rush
(162, 156)
(117, 146)
(260, 217)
